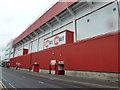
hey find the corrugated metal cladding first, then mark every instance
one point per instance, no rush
(52, 12)
(96, 54)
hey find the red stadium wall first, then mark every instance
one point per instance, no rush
(13, 61)
(23, 60)
(98, 54)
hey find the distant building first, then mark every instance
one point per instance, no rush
(9, 51)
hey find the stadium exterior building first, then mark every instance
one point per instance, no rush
(72, 38)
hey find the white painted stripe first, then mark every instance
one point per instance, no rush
(12, 86)
(40, 82)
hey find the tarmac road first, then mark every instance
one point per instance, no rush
(17, 80)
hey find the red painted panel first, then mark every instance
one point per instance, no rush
(69, 37)
(25, 51)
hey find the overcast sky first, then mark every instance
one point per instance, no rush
(17, 15)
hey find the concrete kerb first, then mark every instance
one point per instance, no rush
(1, 86)
(92, 85)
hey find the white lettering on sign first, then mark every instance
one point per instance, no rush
(55, 40)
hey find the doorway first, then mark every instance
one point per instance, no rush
(36, 68)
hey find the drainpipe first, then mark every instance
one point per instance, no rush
(38, 44)
(51, 29)
(75, 29)
(74, 23)
(30, 68)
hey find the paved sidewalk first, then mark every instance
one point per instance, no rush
(82, 81)
(2, 86)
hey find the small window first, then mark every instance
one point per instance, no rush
(114, 9)
(88, 20)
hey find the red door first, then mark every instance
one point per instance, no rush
(36, 68)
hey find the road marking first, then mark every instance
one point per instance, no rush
(12, 86)
(40, 82)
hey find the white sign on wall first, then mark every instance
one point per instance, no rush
(61, 62)
(19, 52)
(53, 62)
(55, 40)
